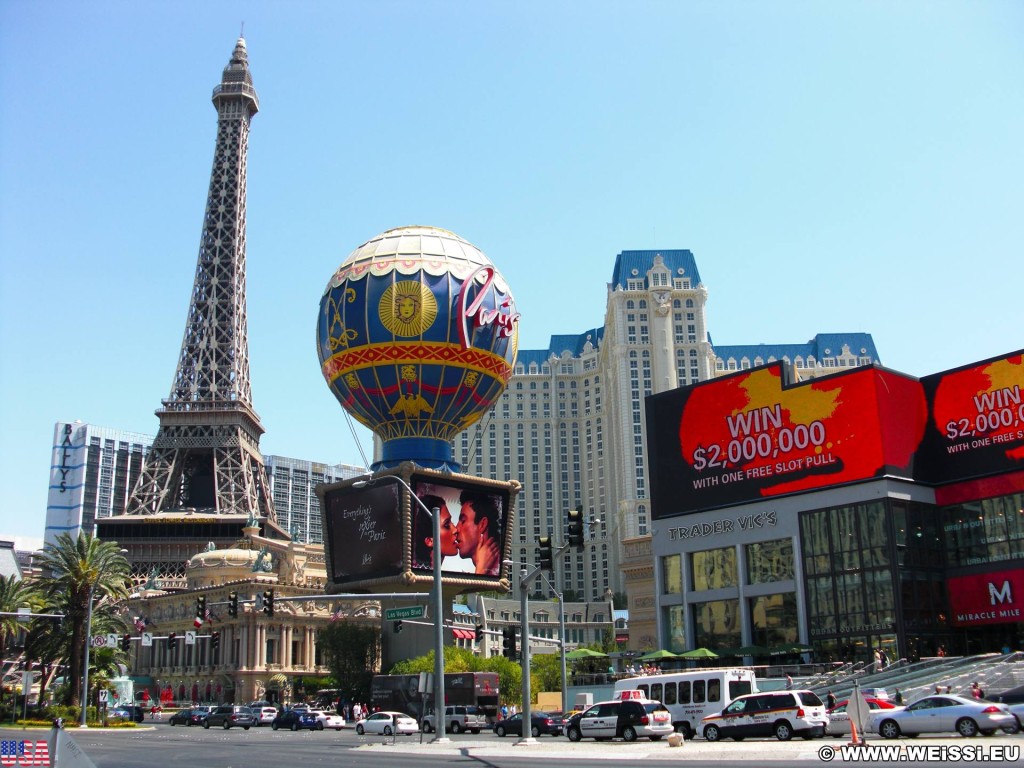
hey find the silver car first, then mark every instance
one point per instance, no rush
(944, 714)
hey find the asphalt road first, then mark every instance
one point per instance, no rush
(160, 745)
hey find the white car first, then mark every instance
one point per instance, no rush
(329, 719)
(265, 715)
(387, 723)
(942, 714)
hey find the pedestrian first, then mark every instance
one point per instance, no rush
(898, 698)
(789, 681)
(878, 659)
(938, 689)
(941, 653)
(830, 700)
(976, 691)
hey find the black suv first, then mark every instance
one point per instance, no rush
(231, 716)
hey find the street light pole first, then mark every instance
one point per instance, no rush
(85, 669)
(438, 600)
(524, 654)
(561, 637)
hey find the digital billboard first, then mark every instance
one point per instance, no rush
(376, 533)
(753, 435)
(474, 525)
(976, 423)
(363, 533)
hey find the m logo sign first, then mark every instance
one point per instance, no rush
(986, 598)
(1000, 596)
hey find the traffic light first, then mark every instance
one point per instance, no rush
(172, 640)
(508, 642)
(126, 642)
(233, 605)
(396, 627)
(201, 607)
(215, 641)
(480, 632)
(574, 529)
(268, 602)
(545, 556)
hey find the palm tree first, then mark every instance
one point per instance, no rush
(15, 593)
(78, 571)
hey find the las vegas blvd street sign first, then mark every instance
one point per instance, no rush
(409, 612)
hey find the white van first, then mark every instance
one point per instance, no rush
(691, 696)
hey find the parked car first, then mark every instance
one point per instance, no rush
(128, 712)
(328, 719)
(387, 723)
(190, 717)
(457, 719)
(540, 723)
(945, 713)
(231, 716)
(775, 713)
(839, 718)
(265, 715)
(297, 719)
(625, 719)
(1017, 710)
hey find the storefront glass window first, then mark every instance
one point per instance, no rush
(773, 619)
(984, 531)
(716, 624)
(769, 561)
(674, 621)
(672, 575)
(714, 568)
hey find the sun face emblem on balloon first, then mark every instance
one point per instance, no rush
(407, 308)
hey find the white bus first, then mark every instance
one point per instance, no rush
(691, 695)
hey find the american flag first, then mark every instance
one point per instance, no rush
(140, 623)
(25, 753)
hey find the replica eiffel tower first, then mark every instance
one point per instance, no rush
(204, 478)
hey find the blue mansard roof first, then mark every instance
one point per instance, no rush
(821, 346)
(562, 342)
(633, 265)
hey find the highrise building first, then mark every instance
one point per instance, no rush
(571, 425)
(92, 472)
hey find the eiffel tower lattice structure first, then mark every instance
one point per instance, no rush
(205, 459)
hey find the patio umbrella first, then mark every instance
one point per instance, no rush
(658, 655)
(584, 653)
(789, 648)
(750, 650)
(699, 653)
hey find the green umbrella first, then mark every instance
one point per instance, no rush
(750, 650)
(790, 648)
(585, 653)
(658, 655)
(699, 653)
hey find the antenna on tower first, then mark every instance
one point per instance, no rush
(242, 33)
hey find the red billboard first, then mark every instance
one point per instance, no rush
(753, 435)
(976, 426)
(987, 598)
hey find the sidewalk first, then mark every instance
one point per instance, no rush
(548, 748)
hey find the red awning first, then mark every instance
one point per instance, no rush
(464, 634)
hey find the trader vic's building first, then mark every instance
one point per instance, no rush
(859, 511)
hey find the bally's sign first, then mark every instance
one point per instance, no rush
(987, 598)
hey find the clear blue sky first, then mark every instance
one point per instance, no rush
(833, 166)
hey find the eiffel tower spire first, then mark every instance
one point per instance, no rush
(206, 453)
